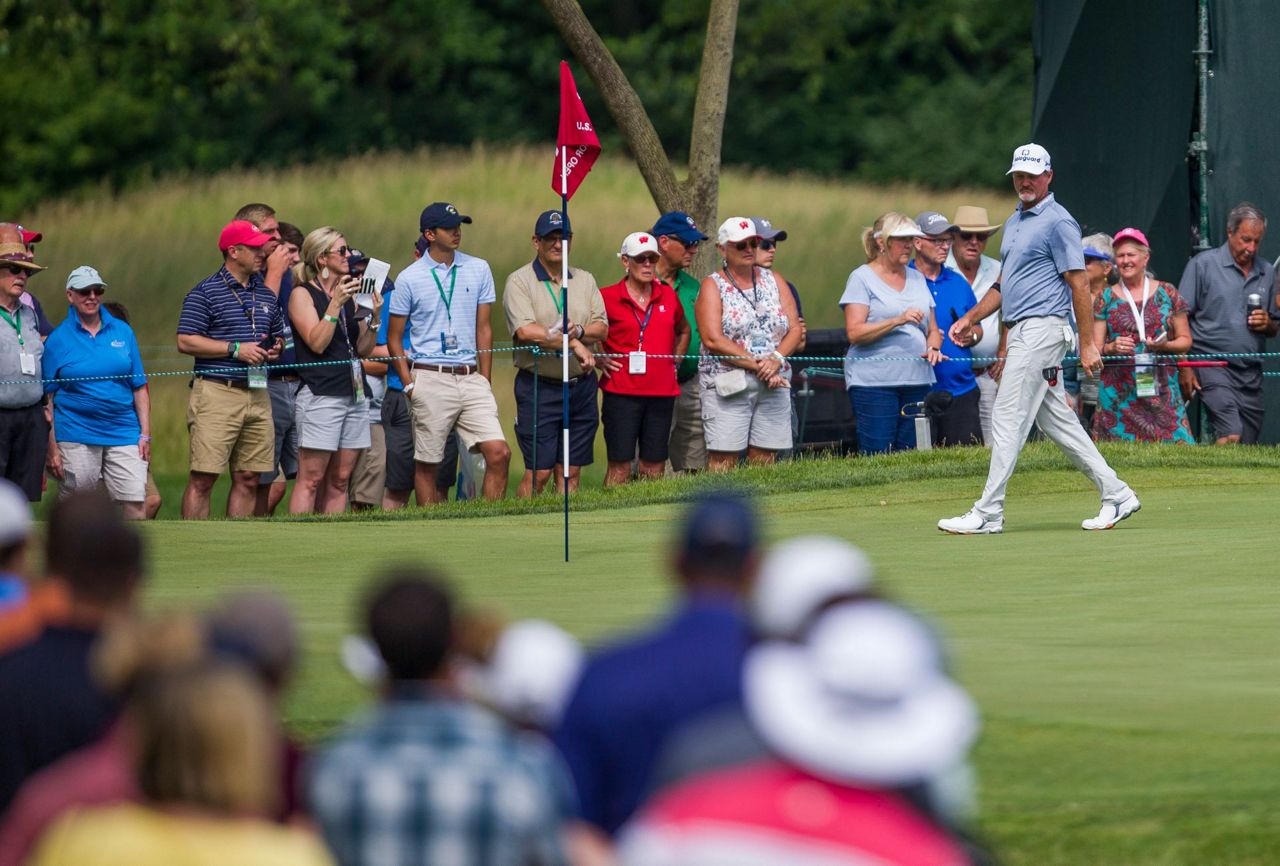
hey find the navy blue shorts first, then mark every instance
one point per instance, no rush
(584, 420)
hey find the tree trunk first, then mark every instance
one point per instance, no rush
(699, 193)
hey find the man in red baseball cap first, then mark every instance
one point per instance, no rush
(232, 324)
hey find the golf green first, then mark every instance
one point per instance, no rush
(1127, 679)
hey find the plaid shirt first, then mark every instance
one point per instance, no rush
(438, 781)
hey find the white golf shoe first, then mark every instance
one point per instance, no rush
(1113, 513)
(972, 523)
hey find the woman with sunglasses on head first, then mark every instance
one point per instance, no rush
(331, 412)
(748, 329)
(101, 406)
(647, 332)
(894, 339)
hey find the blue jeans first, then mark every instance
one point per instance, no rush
(878, 411)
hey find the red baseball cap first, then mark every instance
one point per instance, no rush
(1130, 234)
(241, 233)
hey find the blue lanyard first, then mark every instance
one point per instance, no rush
(645, 324)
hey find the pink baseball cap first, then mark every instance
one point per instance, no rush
(1130, 234)
(241, 233)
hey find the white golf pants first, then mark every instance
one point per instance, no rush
(1025, 397)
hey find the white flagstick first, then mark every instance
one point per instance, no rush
(564, 334)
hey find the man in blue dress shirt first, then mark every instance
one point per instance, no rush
(1043, 281)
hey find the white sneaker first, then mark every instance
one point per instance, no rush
(1111, 514)
(972, 523)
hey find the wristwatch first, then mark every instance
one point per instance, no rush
(408, 389)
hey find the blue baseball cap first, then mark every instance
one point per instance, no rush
(441, 215)
(552, 221)
(679, 224)
(1095, 253)
(721, 527)
(766, 231)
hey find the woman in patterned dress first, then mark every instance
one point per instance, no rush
(748, 330)
(1145, 321)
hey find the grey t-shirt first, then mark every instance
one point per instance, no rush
(905, 344)
(29, 391)
(1039, 245)
(1216, 293)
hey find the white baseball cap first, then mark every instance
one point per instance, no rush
(736, 229)
(799, 576)
(83, 277)
(638, 243)
(15, 514)
(1031, 158)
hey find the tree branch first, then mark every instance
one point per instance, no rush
(621, 99)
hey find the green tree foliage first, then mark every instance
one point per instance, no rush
(103, 93)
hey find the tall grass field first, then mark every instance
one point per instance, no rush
(152, 245)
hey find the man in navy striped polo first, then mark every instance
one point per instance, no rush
(232, 325)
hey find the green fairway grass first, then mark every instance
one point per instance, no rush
(1127, 679)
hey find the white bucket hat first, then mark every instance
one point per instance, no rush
(799, 576)
(864, 699)
(531, 674)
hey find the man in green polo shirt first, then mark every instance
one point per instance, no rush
(678, 238)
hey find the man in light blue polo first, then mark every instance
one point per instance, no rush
(443, 299)
(1042, 282)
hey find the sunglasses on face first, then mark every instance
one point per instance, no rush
(768, 245)
(646, 259)
(342, 251)
(692, 245)
(96, 291)
(750, 244)
(12, 269)
(972, 236)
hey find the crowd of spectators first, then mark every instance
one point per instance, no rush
(366, 393)
(154, 736)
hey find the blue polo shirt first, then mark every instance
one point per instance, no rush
(633, 696)
(393, 378)
(952, 298)
(1039, 245)
(422, 294)
(99, 412)
(221, 309)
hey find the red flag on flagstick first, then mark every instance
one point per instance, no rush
(576, 144)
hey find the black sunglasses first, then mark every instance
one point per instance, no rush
(743, 246)
(96, 291)
(768, 245)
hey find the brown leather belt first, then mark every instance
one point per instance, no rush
(457, 370)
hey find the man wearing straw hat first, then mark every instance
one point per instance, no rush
(1044, 282)
(24, 427)
(967, 258)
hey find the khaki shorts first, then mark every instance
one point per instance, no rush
(443, 402)
(120, 468)
(230, 427)
(687, 449)
(369, 476)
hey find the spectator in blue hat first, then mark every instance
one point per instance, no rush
(678, 239)
(442, 302)
(535, 317)
(636, 694)
(101, 409)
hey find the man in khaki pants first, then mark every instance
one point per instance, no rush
(232, 325)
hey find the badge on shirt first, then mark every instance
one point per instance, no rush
(357, 381)
(448, 343)
(1144, 374)
(28, 363)
(637, 363)
(257, 377)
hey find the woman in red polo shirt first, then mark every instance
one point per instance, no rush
(647, 330)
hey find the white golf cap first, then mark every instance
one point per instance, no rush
(531, 674)
(15, 514)
(864, 699)
(83, 277)
(798, 576)
(736, 229)
(637, 244)
(1031, 158)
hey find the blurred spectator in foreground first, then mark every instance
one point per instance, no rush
(205, 759)
(634, 696)
(102, 416)
(1217, 286)
(26, 604)
(24, 424)
(866, 731)
(1144, 321)
(524, 670)
(968, 257)
(49, 703)
(152, 500)
(448, 781)
(101, 773)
